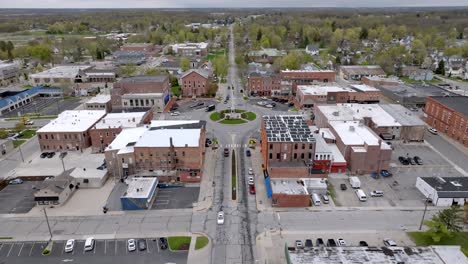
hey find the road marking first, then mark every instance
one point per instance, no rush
(115, 253)
(157, 244)
(9, 251)
(22, 245)
(30, 251)
(105, 246)
(148, 246)
(95, 246)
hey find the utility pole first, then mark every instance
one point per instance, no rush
(424, 214)
(48, 225)
(21, 153)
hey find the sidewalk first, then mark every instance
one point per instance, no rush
(202, 255)
(263, 203)
(457, 145)
(205, 198)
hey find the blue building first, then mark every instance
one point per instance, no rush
(140, 193)
(10, 100)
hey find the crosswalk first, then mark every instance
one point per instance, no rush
(232, 146)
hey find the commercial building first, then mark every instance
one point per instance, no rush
(58, 76)
(449, 115)
(363, 150)
(356, 72)
(307, 77)
(123, 57)
(140, 193)
(194, 82)
(375, 80)
(106, 130)
(308, 96)
(444, 191)
(288, 192)
(11, 100)
(264, 84)
(55, 191)
(265, 55)
(89, 177)
(190, 49)
(148, 48)
(412, 95)
(9, 73)
(364, 94)
(171, 150)
(412, 127)
(328, 158)
(100, 102)
(141, 92)
(288, 146)
(69, 131)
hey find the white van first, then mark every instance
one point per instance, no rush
(89, 244)
(315, 199)
(361, 195)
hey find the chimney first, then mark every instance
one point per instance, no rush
(170, 142)
(133, 119)
(351, 128)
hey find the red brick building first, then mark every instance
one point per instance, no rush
(449, 115)
(305, 77)
(308, 96)
(263, 84)
(69, 131)
(375, 80)
(194, 82)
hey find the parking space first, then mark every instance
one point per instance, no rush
(278, 106)
(105, 251)
(194, 105)
(18, 198)
(429, 157)
(176, 198)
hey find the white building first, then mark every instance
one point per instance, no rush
(444, 191)
(190, 49)
(65, 74)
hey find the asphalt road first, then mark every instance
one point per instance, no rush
(447, 150)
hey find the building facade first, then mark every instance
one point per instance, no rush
(357, 72)
(307, 77)
(194, 82)
(263, 84)
(9, 73)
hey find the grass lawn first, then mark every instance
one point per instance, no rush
(201, 242)
(461, 239)
(233, 121)
(216, 116)
(249, 116)
(179, 242)
(214, 54)
(175, 90)
(17, 143)
(28, 134)
(331, 190)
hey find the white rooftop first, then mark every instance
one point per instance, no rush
(126, 136)
(141, 95)
(322, 90)
(307, 70)
(64, 71)
(73, 121)
(140, 187)
(200, 45)
(355, 133)
(355, 112)
(404, 116)
(364, 88)
(326, 133)
(337, 156)
(89, 173)
(125, 120)
(161, 138)
(100, 99)
(163, 123)
(288, 186)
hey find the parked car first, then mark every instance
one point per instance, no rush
(308, 243)
(16, 181)
(262, 103)
(325, 199)
(29, 122)
(43, 155)
(220, 219)
(299, 244)
(131, 245)
(385, 173)
(141, 244)
(163, 243)
(251, 181)
(175, 113)
(418, 160)
(376, 193)
(343, 187)
(269, 106)
(252, 189)
(247, 152)
(70, 245)
(389, 242)
(89, 244)
(331, 242)
(363, 243)
(403, 160)
(319, 242)
(251, 171)
(50, 155)
(411, 161)
(341, 242)
(433, 131)
(226, 152)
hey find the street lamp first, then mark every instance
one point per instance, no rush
(48, 224)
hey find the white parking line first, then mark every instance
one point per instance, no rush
(95, 246)
(147, 243)
(157, 244)
(105, 246)
(9, 251)
(22, 245)
(30, 251)
(115, 253)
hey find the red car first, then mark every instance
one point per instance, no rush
(252, 189)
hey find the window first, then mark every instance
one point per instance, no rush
(302, 155)
(310, 146)
(310, 155)
(46, 137)
(40, 136)
(52, 136)
(271, 146)
(295, 155)
(271, 155)
(278, 156)
(295, 146)
(183, 153)
(303, 146)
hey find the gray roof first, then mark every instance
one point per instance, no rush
(145, 78)
(287, 128)
(199, 71)
(402, 115)
(451, 187)
(457, 103)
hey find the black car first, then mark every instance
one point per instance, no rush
(403, 160)
(44, 154)
(363, 244)
(319, 242)
(141, 244)
(411, 161)
(418, 160)
(343, 187)
(162, 243)
(308, 243)
(50, 155)
(274, 99)
(331, 242)
(273, 104)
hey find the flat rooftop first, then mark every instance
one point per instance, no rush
(288, 186)
(322, 89)
(457, 103)
(64, 71)
(337, 156)
(140, 187)
(127, 137)
(363, 69)
(144, 78)
(162, 138)
(356, 112)
(125, 120)
(402, 115)
(449, 187)
(364, 88)
(173, 124)
(84, 173)
(287, 128)
(355, 133)
(100, 99)
(73, 121)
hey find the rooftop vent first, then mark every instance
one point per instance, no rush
(456, 183)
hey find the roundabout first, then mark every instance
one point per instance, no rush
(233, 117)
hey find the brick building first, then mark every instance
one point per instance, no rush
(364, 94)
(306, 77)
(194, 82)
(141, 92)
(375, 80)
(105, 131)
(265, 55)
(357, 72)
(69, 131)
(288, 146)
(308, 96)
(99, 102)
(148, 48)
(449, 115)
(170, 150)
(263, 84)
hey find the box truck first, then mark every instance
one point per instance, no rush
(355, 182)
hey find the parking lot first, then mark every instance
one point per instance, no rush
(188, 106)
(176, 198)
(105, 251)
(45, 106)
(399, 189)
(18, 198)
(278, 107)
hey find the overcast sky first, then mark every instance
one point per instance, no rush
(222, 3)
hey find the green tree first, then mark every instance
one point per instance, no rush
(445, 223)
(220, 66)
(128, 70)
(185, 63)
(364, 33)
(265, 42)
(418, 49)
(292, 61)
(41, 52)
(259, 34)
(3, 134)
(9, 49)
(440, 68)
